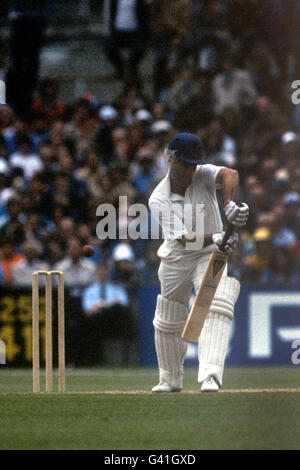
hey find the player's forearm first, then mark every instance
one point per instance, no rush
(229, 180)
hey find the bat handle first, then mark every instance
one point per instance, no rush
(230, 229)
(228, 233)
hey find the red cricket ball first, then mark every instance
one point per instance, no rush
(88, 251)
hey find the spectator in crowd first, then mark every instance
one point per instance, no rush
(291, 202)
(35, 227)
(184, 89)
(280, 268)
(250, 15)
(12, 224)
(121, 146)
(9, 126)
(207, 35)
(48, 156)
(53, 250)
(28, 22)
(102, 293)
(123, 267)
(221, 149)
(259, 199)
(80, 130)
(40, 132)
(233, 87)
(268, 169)
(42, 199)
(282, 236)
(281, 37)
(269, 121)
(258, 261)
(290, 146)
(6, 192)
(259, 65)
(128, 29)
(47, 104)
(24, 158)
(92, 172)
(168, 31)
(22, 272)
(107, 307)
(72, 192)
(146, 174)
(78, 271)
(104, 140)
(8, 259)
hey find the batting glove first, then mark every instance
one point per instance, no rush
(231, 243)
(236, 215)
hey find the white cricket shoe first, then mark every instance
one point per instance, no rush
(210, 385)
(164, 387)
(168, 383)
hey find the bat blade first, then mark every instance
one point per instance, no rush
(204, 297)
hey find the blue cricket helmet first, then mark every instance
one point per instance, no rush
(187, 147)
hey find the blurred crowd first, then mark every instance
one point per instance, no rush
(220, 70)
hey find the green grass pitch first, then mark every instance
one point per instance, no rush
(257, 409)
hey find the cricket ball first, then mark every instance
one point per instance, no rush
(88, 251)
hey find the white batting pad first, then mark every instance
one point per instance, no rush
(170, 316)
(169, 320)
(213, 342)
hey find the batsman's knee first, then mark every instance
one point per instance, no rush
(226, 296)
(170, 316)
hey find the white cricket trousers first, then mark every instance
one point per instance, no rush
(178, 275)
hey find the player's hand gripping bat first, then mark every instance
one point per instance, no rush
(207, 290)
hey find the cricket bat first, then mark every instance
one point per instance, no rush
(206, 291)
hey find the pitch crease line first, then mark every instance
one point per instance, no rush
(144, 392)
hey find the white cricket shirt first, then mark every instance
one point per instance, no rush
(167, 208)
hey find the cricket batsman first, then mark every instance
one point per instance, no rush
(190, 181)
